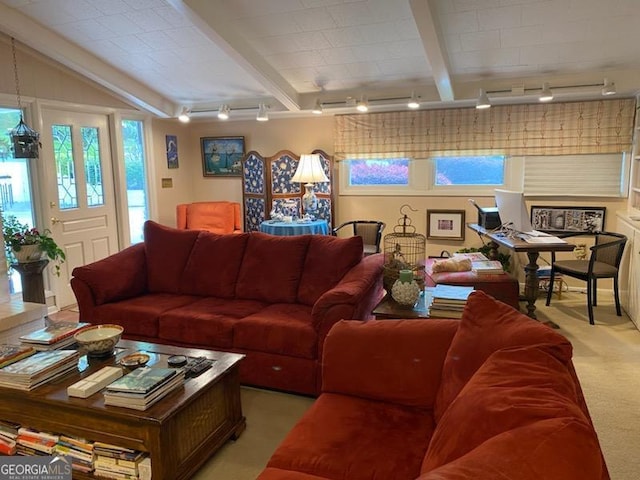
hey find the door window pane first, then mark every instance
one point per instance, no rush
(63, 155)
(134, 164)
(92, 166)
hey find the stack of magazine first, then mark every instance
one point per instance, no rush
(53, 337)
(448, 301)
(143, 387)
(37, 369)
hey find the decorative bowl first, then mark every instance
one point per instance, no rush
(134, 360)
(99, 340)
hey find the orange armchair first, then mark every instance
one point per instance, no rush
(216, 217)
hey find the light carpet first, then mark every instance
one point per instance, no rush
(606, 357)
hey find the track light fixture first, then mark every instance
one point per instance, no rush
(317, 108)
(545, 95)
(223, 112)
(414, 101)
(362, 105)
(263, 115)
(609, 88)
(185, 115)
(483, 101)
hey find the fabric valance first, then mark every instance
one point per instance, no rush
(601, 126)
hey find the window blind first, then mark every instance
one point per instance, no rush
(575, 175)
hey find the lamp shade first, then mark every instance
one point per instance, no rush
(309, 170)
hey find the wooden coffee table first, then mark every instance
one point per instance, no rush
(388, 308)
(180, 432)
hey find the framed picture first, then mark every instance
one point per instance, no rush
(172, 151)
(568, 219)
(445, 224)
(221, 156)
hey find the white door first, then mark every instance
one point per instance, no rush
(79, 192)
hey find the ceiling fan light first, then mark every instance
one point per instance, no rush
(262, 116)
(185, 115)
(223, 112)
(483, 101)
(545, 95)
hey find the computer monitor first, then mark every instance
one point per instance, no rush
(513, 211)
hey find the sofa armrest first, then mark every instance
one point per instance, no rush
(397, 361)
(116, 277)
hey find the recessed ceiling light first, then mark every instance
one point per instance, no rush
(223, 112)
(414, 102)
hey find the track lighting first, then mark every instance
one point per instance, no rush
(483, 101)
(609, 88)
(362, 105)
(414, 102)
(545, 95)
(185, 115)
(262, 116)
(317, 108)
(223, 112)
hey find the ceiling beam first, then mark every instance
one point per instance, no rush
(424, 17)
(54, 46)
(209, 17)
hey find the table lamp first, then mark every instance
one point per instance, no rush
(309, 171)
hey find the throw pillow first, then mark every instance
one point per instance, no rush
(488, 325)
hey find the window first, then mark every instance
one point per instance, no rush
(469, 170)
(392, 171)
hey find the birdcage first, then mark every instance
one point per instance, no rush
(404, 249)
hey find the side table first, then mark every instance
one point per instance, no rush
(32, 281)
(389, 309)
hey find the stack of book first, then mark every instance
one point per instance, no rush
(8, 437)
(79, 450)
(487, 267)
(12, 353)
(143, 387)
(473, 256)
(37, 369)
(53, 337)
(448, 301)
(112, 461)
(35, 442)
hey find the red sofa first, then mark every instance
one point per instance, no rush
(492, 396)
(271, 298)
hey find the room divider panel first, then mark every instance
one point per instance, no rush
(267, 185)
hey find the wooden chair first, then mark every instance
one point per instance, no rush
(603, 262)
(369, 230)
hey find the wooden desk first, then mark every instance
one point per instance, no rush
(531, 283)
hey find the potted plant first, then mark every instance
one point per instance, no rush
(25, 244)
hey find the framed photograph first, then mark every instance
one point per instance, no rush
(221, 156)
(172, 151)
(568, 219)
(445, 224)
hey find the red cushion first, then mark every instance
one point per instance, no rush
(168, 250)
(280, 474)
(328, 259)
(342, 437)
(514, 388)
(553, 449)
(488, 325)
(272, 267)
(212, 268)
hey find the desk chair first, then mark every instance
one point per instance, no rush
(369, 230)
(603, 262)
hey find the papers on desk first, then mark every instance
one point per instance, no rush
(545, 239)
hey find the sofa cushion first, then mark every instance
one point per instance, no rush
(211, 253)
(553, 449)
(168, 250)
(139, 315)
(209, 321)
(514, 388)
(488, 325)
(342, 437)
(328, 259)
(272, 267)
(279, 328)
(280, 474)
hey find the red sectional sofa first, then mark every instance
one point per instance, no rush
(492, 396)
(271, 298)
